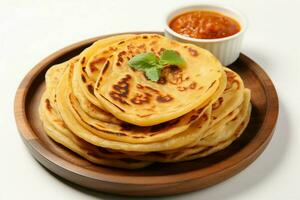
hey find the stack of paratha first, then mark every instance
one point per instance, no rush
(98, 106)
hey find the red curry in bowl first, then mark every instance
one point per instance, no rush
(204, 24)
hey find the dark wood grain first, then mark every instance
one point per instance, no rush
(158, 179)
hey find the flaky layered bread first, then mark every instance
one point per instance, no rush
(96, 105)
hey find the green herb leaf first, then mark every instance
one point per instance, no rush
(151, 65)
(153, 73)
(170, 57)
(143, 61)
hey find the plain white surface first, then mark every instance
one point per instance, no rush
(31, 30)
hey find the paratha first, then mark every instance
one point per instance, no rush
(72, 123)
(62, 96)
(132, 98)
(99, 107)
(217, 137)
(56, 129)
(86, 71)
(126, 132)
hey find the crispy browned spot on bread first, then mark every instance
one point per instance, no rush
(96, 64)
(116, 96)
(234, 118)
(200, 110)
(193, 85)
(83, 78)
(211, 85)
(139, 86)
(113, 48)
(193, 52)
(230, 75)
(174, 75)
(156, 128)
(218, 103)
(70, 75)
(127, 127)
(105, 67)
(98, 83)
(121, 90)
(203, 118)
(153, 42)
(231, 79)
(142, 46)
(130, 48)
(48, 105)
(193, 117)
(162, 80)
(141, 98)
(82, 60)
(142, 116)
(181, 88)
(121, 42)
(151, 89)
(114, 133)
(164, 98)
(122, 53)
(90, 89)
(148, 92)
(120, 59)
(61, 123)
(161, 50)
(138, 137)
(122, 87)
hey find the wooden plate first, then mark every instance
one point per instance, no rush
(158, 179)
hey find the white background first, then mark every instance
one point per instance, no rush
(31, 30)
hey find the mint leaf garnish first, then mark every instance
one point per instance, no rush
(151, 65)
(143, 61)
(170, 57)
(152, 73)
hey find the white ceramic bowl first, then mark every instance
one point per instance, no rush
(227, 49)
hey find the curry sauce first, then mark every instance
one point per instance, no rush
(203, 24)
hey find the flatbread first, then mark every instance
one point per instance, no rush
(132, 98)
(126, 132)
(204, 107)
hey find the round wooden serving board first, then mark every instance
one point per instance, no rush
(158, 179)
